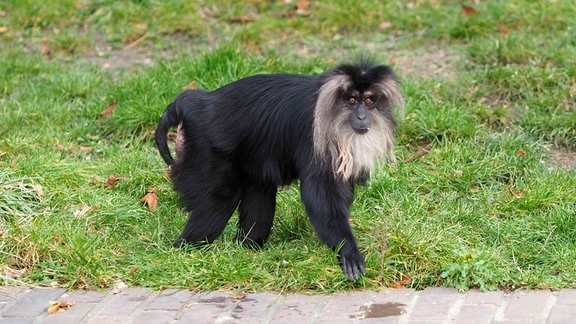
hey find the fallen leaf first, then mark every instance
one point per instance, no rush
(190, 86)
(13, 273)
(45, 50)
(420, 153)
(239, 296)
(468, 11)
(118, 287)
(516, 194)
(385, 25)
(244, 19)
(38, 189)
(141, 26)
(150, 199)
(108, 110)
(401, 283)
(111, 181)
(520, 153)
(82, 210)
(573, 90)
(58, 306)
(303, 4)
(3, 29)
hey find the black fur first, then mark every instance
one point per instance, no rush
(247, 138)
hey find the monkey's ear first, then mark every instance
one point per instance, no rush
(390, 87)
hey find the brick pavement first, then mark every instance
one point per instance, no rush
(432, 305)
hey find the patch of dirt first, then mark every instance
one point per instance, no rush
(562, 157)
(427, 63)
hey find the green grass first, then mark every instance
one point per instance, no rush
(484, 207)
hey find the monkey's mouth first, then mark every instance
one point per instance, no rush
(361, 130)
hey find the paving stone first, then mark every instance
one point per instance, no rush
(434, 303)
(567, 297)
(564, 313)
(74, 314)
(476, 314)
(83, 296)
(203, 313)
(299, 307)
(346, 305)
(255, 306)
(171, 299)
(476, 297)
(155, 317)
(11, 293)
(33, 303)
(529, 306)
(123, 304)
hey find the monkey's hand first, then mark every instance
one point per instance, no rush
(351, 261)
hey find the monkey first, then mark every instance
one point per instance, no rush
(237, 144)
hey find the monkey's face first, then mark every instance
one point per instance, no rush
(361, 106)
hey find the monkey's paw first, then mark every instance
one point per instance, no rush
(352, 263)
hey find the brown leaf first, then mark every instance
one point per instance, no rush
(239, 296)
(108, 110)
(250, 17)
(141, 26)
(419, 154)
(401, 283)
(83, 210)
(468, 11)
(3, 29)
(58, 306)
(111, 181)
(190, 86)
(150, 199)
(303, 5)
(520, 153)
(45, 50)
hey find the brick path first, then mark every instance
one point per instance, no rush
(432, 305)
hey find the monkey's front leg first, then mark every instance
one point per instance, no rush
(328, 203)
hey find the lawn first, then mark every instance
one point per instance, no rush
(483, 192)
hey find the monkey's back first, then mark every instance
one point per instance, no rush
(261, 124)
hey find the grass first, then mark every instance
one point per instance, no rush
(483, 206)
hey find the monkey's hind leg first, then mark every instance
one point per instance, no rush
(210, 209)
(257, 205)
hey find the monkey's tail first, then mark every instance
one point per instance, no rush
(170, 118)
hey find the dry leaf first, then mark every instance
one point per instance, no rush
(303, 5)
(190, 86)
(118, 287)
(239, 296)
(516, 194)
(150, 199)
(111, 181)
(420, 153)
(401, 283)
(58, 306)
(13, 273)
(39, 190)
(108, 110)
(520, 153)
(468, 11)
(3, 29)
(250, 17)
(385, 25)
(45, 50)
(84, 209)
(141, 26)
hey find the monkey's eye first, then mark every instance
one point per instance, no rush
(368, 101)
(352, 100)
